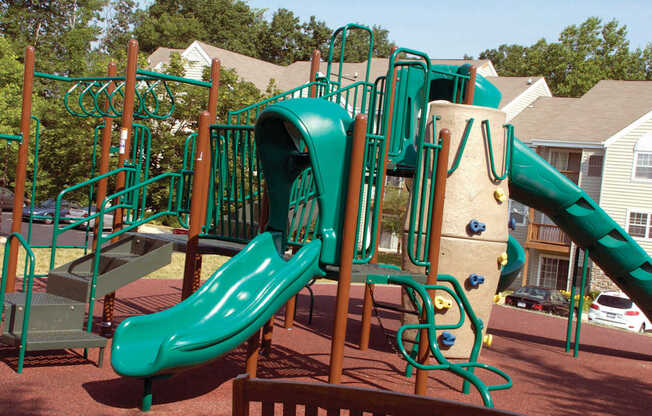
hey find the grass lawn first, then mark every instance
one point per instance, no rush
(174, 270)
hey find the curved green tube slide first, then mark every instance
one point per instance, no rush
(534, 182)
(231, 306)
(516, 259)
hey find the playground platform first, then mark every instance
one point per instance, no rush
(611, 375)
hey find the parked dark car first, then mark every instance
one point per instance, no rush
(539, 299)
(7, 199)
(44, 212)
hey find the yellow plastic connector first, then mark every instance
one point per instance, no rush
(502, 259)
(487, 340)
(442, 303)
(499, 194)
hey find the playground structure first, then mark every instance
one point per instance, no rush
(315, 168)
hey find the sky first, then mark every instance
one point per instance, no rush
(450, 29)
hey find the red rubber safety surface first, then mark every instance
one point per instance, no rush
(611, 376)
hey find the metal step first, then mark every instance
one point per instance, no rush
(48, 312)
(54, 340)
(120, 263)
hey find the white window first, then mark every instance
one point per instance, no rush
(643, 158)
(639, 224)
(553, 272)
(518, 212)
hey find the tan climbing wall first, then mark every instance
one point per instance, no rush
(470, 195)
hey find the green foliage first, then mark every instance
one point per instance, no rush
(394, 203)
(584, 55)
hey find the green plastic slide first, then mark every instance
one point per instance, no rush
(231, 306)
(515, 261)
(534, 182)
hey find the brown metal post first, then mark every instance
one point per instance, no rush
(365, 329)
(348, 249)
(21, 163)
(191, 275)
(290, 308)
(268, 334)
(213, 92)
(315, 60)
(470, 86)
(104, 156)
(437, 216)
(126, 130)
(253, 346)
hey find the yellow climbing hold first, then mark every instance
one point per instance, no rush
(487, 340)
(499, 194)
(442, 303)
(502, 259)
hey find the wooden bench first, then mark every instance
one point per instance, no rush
(311, 397)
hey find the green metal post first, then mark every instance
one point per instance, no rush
(581, 304)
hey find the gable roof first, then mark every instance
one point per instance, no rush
(606, 109)
(261, 72)
(535, 120)
(512, 87)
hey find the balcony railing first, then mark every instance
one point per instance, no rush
(545, 233)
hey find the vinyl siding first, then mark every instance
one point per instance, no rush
(536, 90)
(619, 192)
(195, 62)
(590, 184)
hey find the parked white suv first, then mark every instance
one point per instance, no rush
(616, 309)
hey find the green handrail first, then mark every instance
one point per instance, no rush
(28, 283)
(460, 369)
(101, 239)
(56, 231)
(167, 77)
(428, 157)
(12, 138)
(460, 150)
(509, 143)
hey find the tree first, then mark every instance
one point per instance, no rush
(584, 55)
(228, 24)
(281, 39)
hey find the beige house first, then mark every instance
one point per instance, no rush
(603, 142)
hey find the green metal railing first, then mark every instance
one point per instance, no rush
(87, 94)
(303, 210)
(28, 283)
(249, 114)
(422, 198)
(344, 30)
(464, 369)
(236, 182)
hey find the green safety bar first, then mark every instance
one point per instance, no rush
(465, 369)
(344, 30)
(28, 283)
(347, 97)
(423, 193)
(424, 64)
(459, 83)
(12, 138)
(187, 170)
